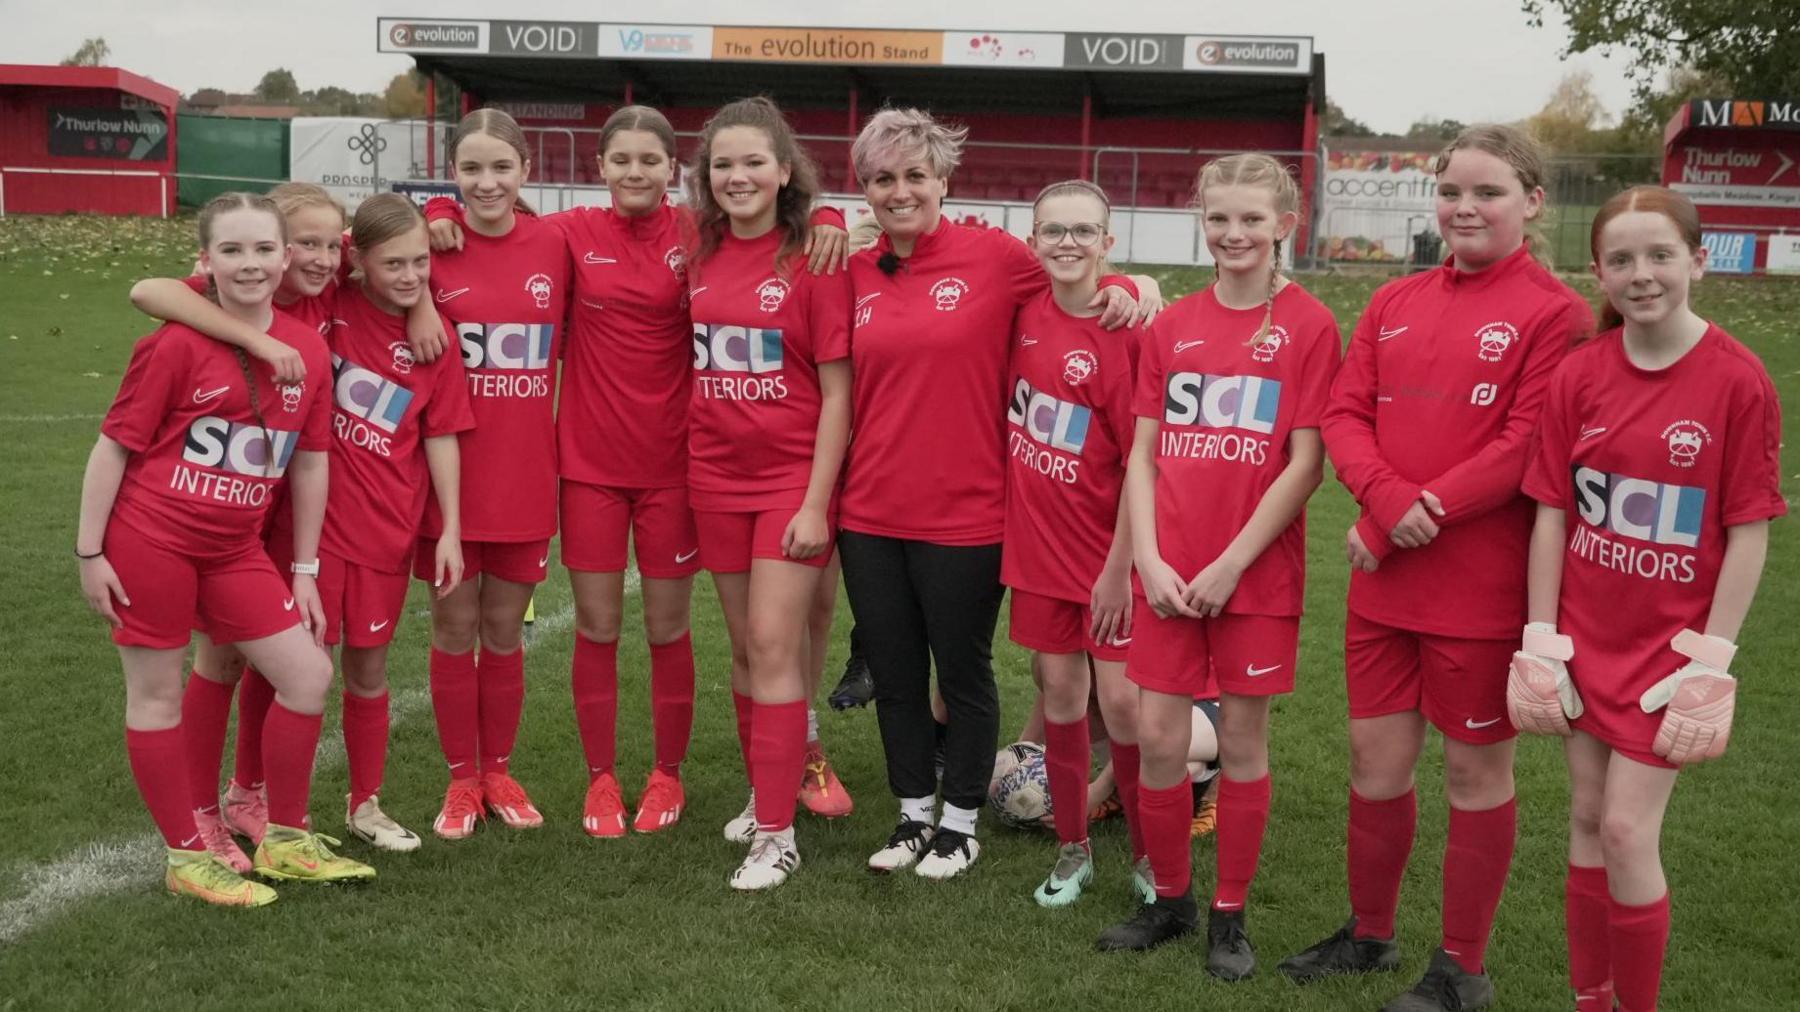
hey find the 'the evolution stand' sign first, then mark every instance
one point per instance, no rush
(133, 135)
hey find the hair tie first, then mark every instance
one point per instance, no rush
(888, 263)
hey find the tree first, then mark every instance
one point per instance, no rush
(405, 96)
(1435, 130)
(278, 86)
(94, 52)
(1745, 43)
(1572, 118)
(1337, 123)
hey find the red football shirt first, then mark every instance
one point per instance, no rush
(1225, 411)
(506, 297)
(927, 459)
(1069, 429)
(1650, 468)
(384, 405)
(203, 471)
(759, 334)
(1440, 390)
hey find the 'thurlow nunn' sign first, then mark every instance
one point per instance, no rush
(1121, 51)
(134, 135)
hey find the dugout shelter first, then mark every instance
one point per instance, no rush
(1739, 161)
(1137, 113)
(86, 139)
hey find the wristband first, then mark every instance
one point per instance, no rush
(84, 558)
(305, 568)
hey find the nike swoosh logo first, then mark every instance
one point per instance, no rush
(1252, 671)
(864, 300)
(1590, 433)
(1181, 346)
(696, 292)
(1389, 333)
(378, 626)
(590, 258)
(1050, 890)
(1027, 341)
(1121, 642)
(287, 605)
(684, 556)
(202, 398)
(591, 304)
(447, 296)
(544, 562)
(455, 765)
(1473, 726)
(1227, 906)
(188, 843)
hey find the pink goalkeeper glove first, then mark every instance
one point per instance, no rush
(1540, 698)
(1701, 698)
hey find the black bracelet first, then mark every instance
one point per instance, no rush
(84, 558)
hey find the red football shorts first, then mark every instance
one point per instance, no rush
(517, 561)
(1458, 684)
(1053, 626)
(362, 605)
(596, 521)
(236, 597)
(728, 541)
(1245, 655)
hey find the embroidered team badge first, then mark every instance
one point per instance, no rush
(1272, 342)
(1079, 366)
(1493, 339)
(290, 395)
(539, 287)
(676, 258)
(948, 292)
(403, 357)
(771, 294)
(1685, 438)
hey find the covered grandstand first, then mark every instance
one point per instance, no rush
(1138, 113)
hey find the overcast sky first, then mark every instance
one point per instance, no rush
(1388, 62)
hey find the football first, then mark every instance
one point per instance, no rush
(1021, 798)
(1008, 759)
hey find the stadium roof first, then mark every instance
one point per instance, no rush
(684, 65)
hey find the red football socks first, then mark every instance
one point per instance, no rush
(365, 744)
(500, 682)
(159, 765)
(1477, 856)
(594, 678)
(1639, 937)
(1586, 907)
(1066, 760)
(672, 700)
(1243, 818)
(1125, 759)
(289, 741)
(254, 696)
(205, 711)
(777, 758)
(745, 717)
(1167, 814)
(1381, 839)
(456, 706)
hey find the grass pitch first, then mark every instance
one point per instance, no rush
(551, 919)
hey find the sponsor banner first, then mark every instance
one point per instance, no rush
(1247, 54)
(1374, 203)
(1003, 49)
(1784, 254)
(353, 157)
(1749, 165)
(543, 110)
(421, 190)
(657, 42)
(827, 45)
(1714, 195)
(1730, 252)
(564, 39)
(133, 135)
(414, 35)
(1739, 113)
(1121, 51)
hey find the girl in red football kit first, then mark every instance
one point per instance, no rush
(1067, 552)
(767, 427)
(172, 507)
(1656, 475)
(1233, 383)
(621, 433)
(924, 502)
(1429, 425)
